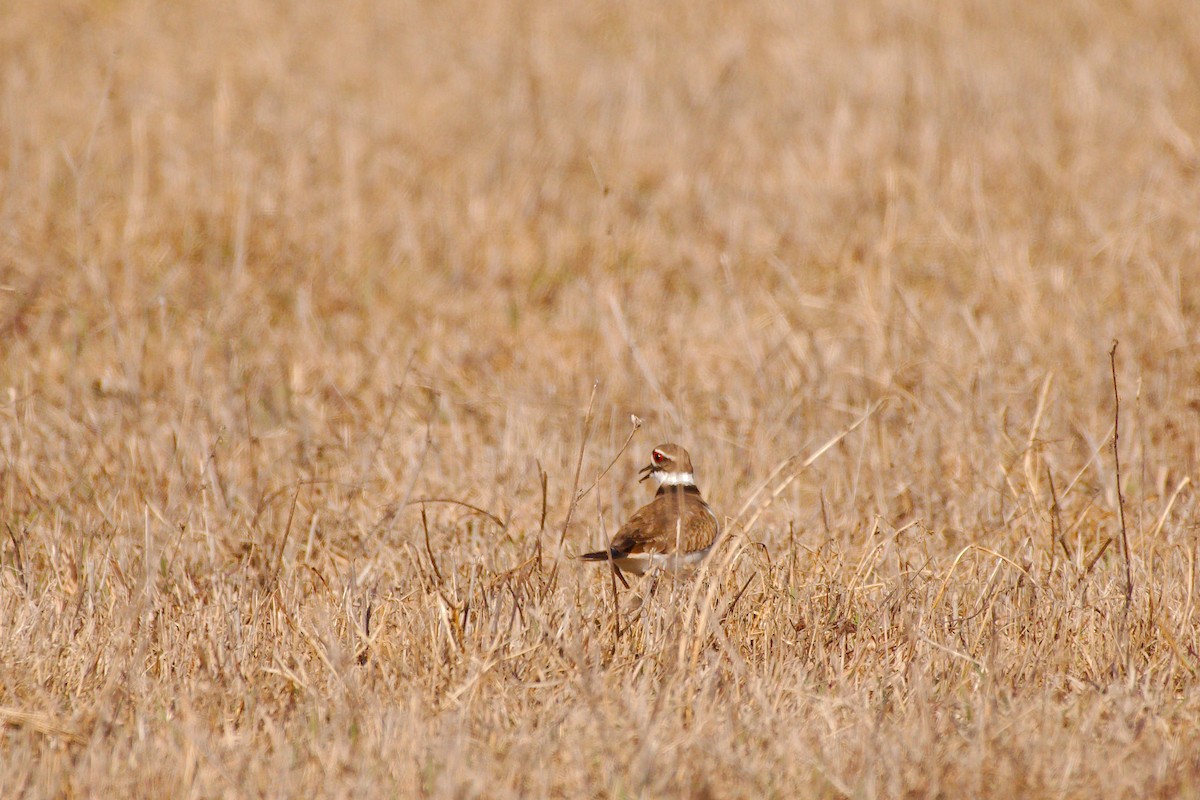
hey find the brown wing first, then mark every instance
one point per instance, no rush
(702, 528)
(637, 532)
(653, 528)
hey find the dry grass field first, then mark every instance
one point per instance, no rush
(316, 317)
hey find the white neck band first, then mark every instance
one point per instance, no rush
(675, 478)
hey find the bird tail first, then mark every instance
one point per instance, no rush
(605, 555)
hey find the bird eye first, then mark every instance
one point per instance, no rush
(657, 456)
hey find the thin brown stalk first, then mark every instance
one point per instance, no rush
(587, 429)
(1112, 357)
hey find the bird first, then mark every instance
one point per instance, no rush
(674, 531)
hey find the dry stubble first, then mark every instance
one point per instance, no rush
(268, 271)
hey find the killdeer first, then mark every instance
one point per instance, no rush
(675, 530)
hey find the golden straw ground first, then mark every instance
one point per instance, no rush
(302, 307)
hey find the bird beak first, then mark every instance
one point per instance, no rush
(648, 470)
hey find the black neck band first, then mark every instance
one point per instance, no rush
(686, 488)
